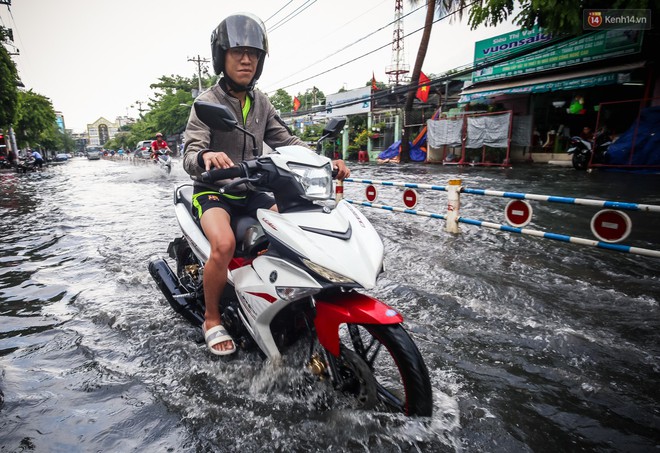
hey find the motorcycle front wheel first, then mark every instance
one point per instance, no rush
(401, 377)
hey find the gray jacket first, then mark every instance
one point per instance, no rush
(262, 121)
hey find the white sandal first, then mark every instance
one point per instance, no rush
(216, 335)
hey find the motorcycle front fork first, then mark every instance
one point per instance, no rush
(321, 363)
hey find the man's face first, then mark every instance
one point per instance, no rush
(241, 64)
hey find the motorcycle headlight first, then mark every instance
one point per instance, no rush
(326, 273)
(315, 181)
(291, 293)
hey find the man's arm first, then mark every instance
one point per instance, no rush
(198, 140)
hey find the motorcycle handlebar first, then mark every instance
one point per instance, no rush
(237, 171)
(222, 173)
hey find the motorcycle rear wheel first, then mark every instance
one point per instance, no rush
(581, 161)
(402, 379)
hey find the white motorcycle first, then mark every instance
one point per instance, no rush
(295, 277)
(164, 161)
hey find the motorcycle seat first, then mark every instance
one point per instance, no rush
(250, 237)
(184, 195)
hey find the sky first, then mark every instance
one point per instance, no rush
(97, 58)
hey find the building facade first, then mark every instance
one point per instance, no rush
(100, 131)
(561, 90)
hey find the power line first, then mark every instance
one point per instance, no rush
(372, 8)
(462, 70)
(300, 9)
(278, 11)
(363, 55)
(351, 44)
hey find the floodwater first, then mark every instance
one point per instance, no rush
(532, 344)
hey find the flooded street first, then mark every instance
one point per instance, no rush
(531, 344)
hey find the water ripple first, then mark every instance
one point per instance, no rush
(531, 345)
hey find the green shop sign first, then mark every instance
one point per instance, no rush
(585, 49)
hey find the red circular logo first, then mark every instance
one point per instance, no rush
(595, 19)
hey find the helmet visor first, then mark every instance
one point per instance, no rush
(244, 30)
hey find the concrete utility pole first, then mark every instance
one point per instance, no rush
(12, 138)
(138, 104)
(199, 61)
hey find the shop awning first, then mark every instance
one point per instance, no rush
(566, 81)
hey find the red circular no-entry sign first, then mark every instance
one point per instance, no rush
(609, 225)
(518, 213)
(371, 193)
(410, 198)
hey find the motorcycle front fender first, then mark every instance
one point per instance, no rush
(349, 308)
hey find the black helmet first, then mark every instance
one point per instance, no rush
(239, 30)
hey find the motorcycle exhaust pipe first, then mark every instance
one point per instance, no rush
(169, 285)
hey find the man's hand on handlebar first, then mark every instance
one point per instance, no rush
(342, 170)
(214, 159)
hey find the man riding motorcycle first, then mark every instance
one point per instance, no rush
(239, 46)
(159, 146)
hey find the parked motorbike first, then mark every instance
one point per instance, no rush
(581, 149)
(5, 163)
(296, 275)
(24, 165)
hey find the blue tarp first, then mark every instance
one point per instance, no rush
(416, 153)
(647, 141)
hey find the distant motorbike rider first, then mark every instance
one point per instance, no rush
(158, 147)
(239, 46)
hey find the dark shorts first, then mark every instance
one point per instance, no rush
(204, 199)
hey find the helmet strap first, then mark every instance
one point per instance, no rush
(235, 87)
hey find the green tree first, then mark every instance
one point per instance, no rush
(68, 143)
(169, 109)
(282, 101)
(312, 132)
(121, 140)
(379, 85)
(557, 16)
(35, 120)
(167, 114)
(51, 138)
(8, 85)
(312, 96)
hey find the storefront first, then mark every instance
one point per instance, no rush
(562, 86)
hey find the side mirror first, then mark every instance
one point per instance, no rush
(215, 116)
(332, 129)
(334, 126)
